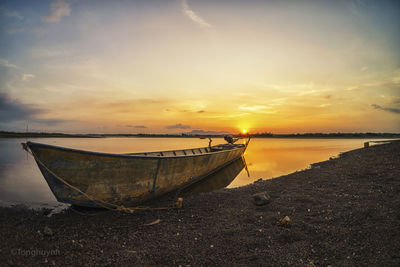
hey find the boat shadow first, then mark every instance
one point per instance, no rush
(218, 180)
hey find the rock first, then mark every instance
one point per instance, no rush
(261, 199)
(179, 202)
(285, 220)
(47, 231)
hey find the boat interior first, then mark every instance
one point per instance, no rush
(190, 151)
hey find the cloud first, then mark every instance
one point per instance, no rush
(257, 108)
(15, 30)
(395, 99)
(27, 77)
(396, 77)
(393, 110)
(189, 111)
(178, 126)
(13, 110)
(12, 14)
(49, 122)
(139, 106)
(6, 64)
(137, 126)
(59, 8)
(202, 132)
(193, 16)
(324, 105)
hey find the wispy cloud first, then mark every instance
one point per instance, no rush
(257, 108)
(393, 110)
(7, 64)
(193, 16)
(15, 30)
(59, 8)
(325, 105)
(396, 77)
(132, 105)
(178, 126)
(137, 126)
(48, 122)
(203, 132)
(27, 77)
(395, 99)
(11, 13)
(352, 88)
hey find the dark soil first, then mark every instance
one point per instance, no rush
(345, 211)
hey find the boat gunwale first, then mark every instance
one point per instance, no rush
(132, 155)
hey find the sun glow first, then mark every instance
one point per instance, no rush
(244, 131)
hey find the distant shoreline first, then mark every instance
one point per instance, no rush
(5, 134)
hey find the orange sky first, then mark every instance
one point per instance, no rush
(179, 66)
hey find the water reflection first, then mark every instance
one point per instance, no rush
(272, 157)
(20, 181)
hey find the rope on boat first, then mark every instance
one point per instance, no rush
(248, 141)
(101, 203)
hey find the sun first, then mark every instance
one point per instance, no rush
(244, 131)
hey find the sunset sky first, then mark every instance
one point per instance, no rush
(172, 66)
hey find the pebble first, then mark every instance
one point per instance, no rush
(261, 199)
(285, 220)
(47, 231)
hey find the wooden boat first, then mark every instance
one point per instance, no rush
(93, 179)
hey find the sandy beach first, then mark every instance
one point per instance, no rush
(344, 211)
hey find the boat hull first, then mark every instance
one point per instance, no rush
(122, 179)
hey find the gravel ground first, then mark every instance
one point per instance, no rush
(345, 211)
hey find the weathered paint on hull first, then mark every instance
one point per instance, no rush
(122, 179)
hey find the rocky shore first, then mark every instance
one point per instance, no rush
(344, 211)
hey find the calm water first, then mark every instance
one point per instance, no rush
(22, 182)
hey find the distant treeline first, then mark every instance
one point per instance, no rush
(155, 135)
(176, 135)
(256, 135)
(39, 134)
(328, 135)
(43, 134)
